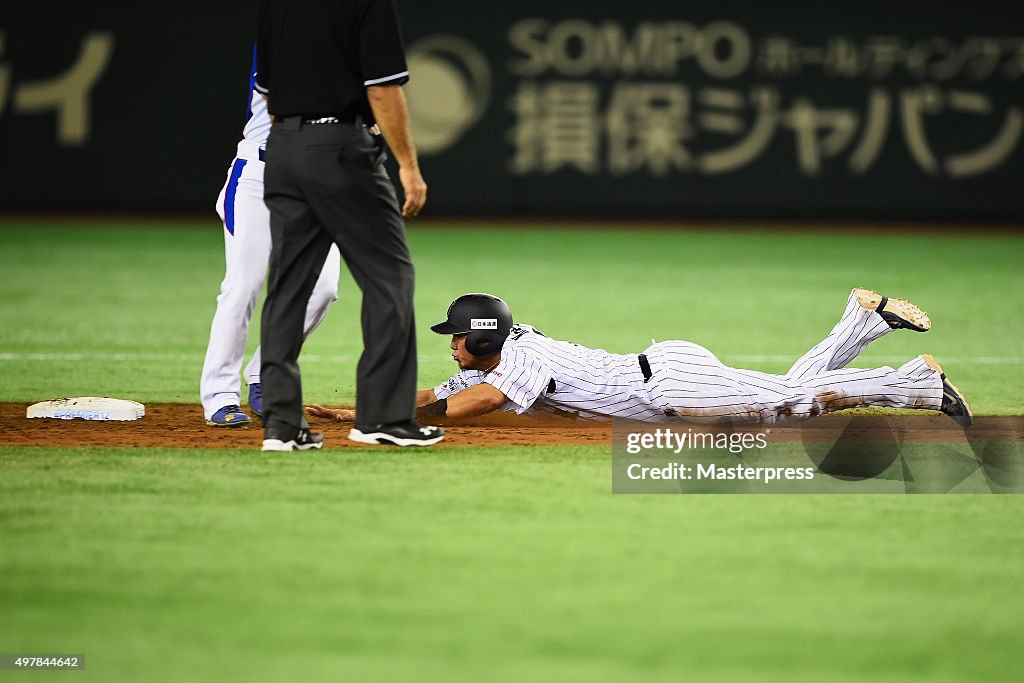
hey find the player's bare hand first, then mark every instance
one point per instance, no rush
(415, 189)
(338, 414)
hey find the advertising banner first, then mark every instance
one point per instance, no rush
(873, 110)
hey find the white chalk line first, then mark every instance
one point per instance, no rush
(349, 358)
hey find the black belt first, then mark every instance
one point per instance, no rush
(645, 367)
(263, 154)
(317, 119)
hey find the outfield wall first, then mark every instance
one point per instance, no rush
(730, 109)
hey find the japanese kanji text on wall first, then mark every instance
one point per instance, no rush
(732, 109)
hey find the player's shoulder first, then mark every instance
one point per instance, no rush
(523, 335)
(527, 343)
(522, 330)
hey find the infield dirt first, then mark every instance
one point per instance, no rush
(182, 425)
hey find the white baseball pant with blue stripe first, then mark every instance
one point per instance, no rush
(246, 254)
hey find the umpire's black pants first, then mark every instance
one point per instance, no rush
(324, 184)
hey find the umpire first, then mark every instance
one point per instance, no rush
(331, 71)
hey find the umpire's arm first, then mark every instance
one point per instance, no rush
(391, 113)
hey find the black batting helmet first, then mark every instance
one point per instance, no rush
(485, 319)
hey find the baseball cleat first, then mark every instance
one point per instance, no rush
(900, 314)
(256, 399)
(229, 416)
(953, 402)
(304, 440)
(409, 433)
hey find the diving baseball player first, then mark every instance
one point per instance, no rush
(504, 366)
(246, 253)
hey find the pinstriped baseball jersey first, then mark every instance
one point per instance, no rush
(463, 379)
(541, 375)
(538, 374)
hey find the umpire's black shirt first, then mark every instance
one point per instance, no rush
(316, 57)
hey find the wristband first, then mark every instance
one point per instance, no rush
(438, 408)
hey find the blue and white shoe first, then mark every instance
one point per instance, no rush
(229, 416)
(256, 399)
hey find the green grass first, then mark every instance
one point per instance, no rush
(505, 564)
(148, 291)
(501, 564)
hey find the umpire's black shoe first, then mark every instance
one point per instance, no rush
(953, 403)
(900, 314)
(303, 440)
(409, 433)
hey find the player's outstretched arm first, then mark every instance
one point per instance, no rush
(478, 399)
(424, 397)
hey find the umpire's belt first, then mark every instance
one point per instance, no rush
(301, 120)
(645, 367)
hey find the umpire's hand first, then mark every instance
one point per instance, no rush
(392, 115)
(415, 189)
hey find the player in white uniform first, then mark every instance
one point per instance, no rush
(246, 254)
(516, 368)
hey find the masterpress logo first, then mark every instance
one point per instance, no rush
(448, 92)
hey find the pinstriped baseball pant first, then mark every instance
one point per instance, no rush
(690, 380)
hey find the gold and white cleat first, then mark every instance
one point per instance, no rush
(900, 314)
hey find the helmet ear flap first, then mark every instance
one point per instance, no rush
(484, 342)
